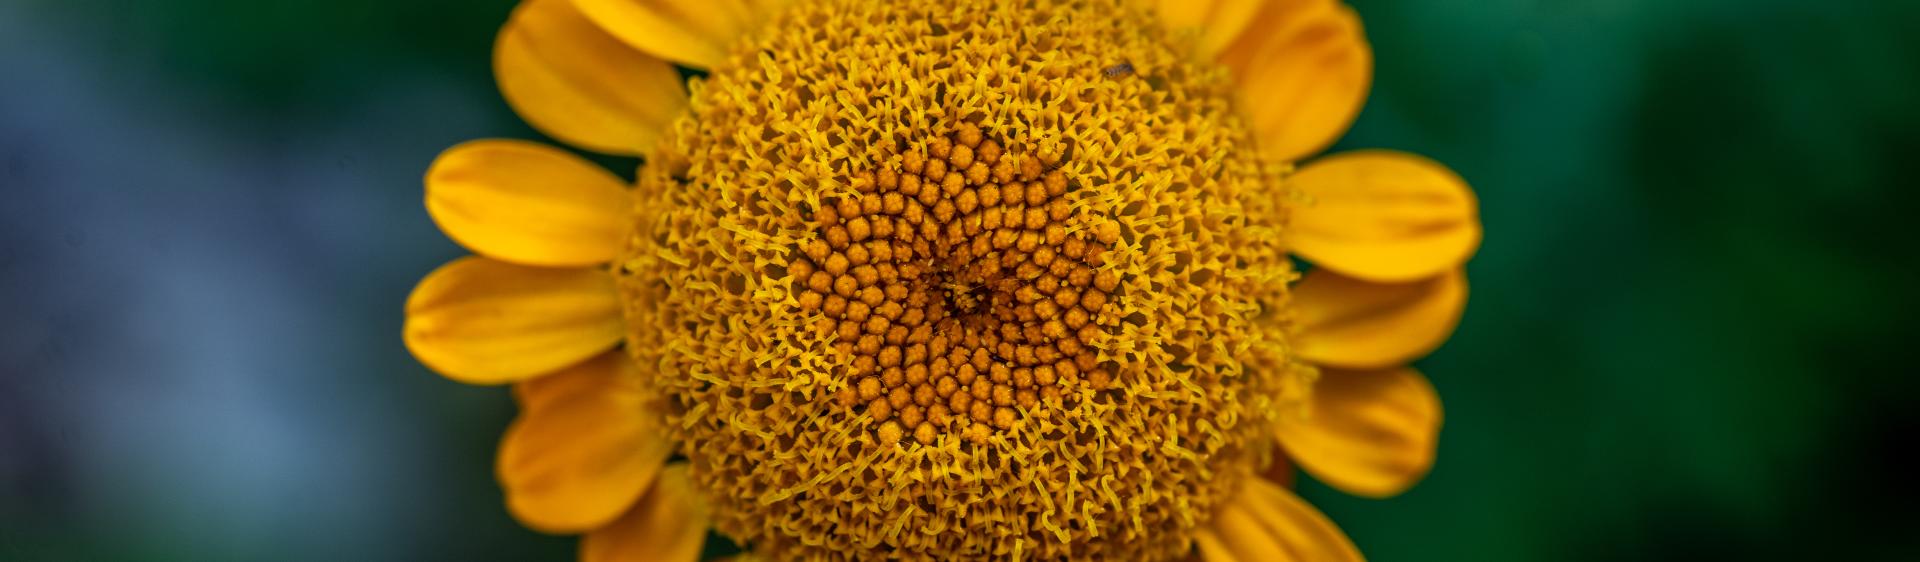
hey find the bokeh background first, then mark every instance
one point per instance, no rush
(1684, 342)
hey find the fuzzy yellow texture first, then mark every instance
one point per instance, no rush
(1160, 167)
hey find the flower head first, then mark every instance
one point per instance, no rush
(979, 279)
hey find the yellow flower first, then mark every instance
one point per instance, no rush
(976, 279)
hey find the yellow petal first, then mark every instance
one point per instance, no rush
(1268, 523)
(761, 11)
(585, 446)
(1384, 216)
(1354, 324)
(1372, 433)
(480, 321)
(527, 203)
(577, 83)
(1219, 21)
(1212, 549)
(1302, 69)
(691, 32)
(668, 525)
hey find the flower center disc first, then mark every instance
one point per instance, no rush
(959, 289)
(978, 279)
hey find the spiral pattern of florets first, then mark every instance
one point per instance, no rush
(971, 280)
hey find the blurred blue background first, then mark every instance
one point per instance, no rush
(1685, 339)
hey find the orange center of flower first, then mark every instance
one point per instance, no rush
(958, 289)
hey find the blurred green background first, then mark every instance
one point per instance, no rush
(1684, 340)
